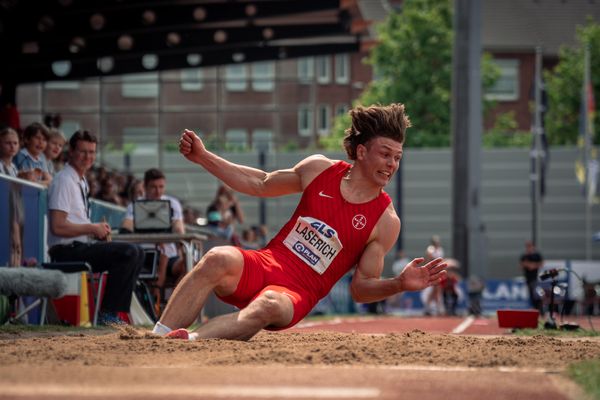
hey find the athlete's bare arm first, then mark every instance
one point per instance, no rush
(252, 181)
(367, 285)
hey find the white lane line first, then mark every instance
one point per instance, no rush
(198, 391)
(467, 322)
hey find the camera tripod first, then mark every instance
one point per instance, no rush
(551, 322)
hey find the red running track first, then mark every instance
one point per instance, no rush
(397, 324)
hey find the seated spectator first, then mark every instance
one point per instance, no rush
(249, 240)
(54, 149)
(192, 216)
(215, 220)
(262, 234)
(9, 147)
(93, 184)
(171, 263)
(108, 192)
(121, 181)
(31, 160)
(135, 191)
(73, 237)
(231, 211)
(222, 214)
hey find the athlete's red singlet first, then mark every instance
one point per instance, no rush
(323, 240)
(326, 235)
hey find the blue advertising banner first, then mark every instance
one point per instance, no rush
(497, 294)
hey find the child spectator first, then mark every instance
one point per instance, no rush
(31, 160)
(54, 150)
(9, 147)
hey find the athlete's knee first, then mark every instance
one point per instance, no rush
(216, 263)
(269, 307)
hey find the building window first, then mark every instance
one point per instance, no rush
(306, 69)
(323, 69)
(236, 78)
(236, 139)
(140, 86)
(342, 68)
(506, 87)
(324, 119)
(192, 80)
(305, 120)
(262, 139)
(262, 76)
(341, 109)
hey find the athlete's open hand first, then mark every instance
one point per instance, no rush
(191, 146)
(417, 277)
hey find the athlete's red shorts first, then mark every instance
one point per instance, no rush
(264, 271)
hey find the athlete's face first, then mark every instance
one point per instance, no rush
(381, 158)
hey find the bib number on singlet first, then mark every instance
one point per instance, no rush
(314, 242)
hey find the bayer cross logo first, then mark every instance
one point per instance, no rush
(359, 221)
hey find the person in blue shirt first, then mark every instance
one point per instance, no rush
(30, 161)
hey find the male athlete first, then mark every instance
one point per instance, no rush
(344, 219)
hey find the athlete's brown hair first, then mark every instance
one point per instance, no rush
(370, 122)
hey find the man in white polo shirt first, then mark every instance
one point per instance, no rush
(73, 237)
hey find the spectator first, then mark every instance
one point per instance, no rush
(171, 264)
(232, 211)
(531, 261)
(31, 160)
(108, 192)
(54, 149)
(93, 184)
(433, 294)
(136, 191)
(216, 222)
(262, 234)
(72, 234)
(449, 287)
(120, 182)
(249, 240)
(400, 262)
(398, 265)
(191, 216)
(9, 147)
(475, 287)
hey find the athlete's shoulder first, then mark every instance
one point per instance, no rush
(318, 161)
(312, 166)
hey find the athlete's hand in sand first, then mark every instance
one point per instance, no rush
(191, 146)
(417, 277)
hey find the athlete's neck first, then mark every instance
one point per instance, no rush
(355, 188)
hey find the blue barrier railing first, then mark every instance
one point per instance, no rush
(24, 208)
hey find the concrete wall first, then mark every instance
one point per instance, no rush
(427, 202)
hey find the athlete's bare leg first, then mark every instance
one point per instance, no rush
(269, 309)
(220, 270)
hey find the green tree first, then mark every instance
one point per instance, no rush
(413, 65)
(564, 87)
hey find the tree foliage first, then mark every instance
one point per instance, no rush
(413, 65)
(564, 87)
